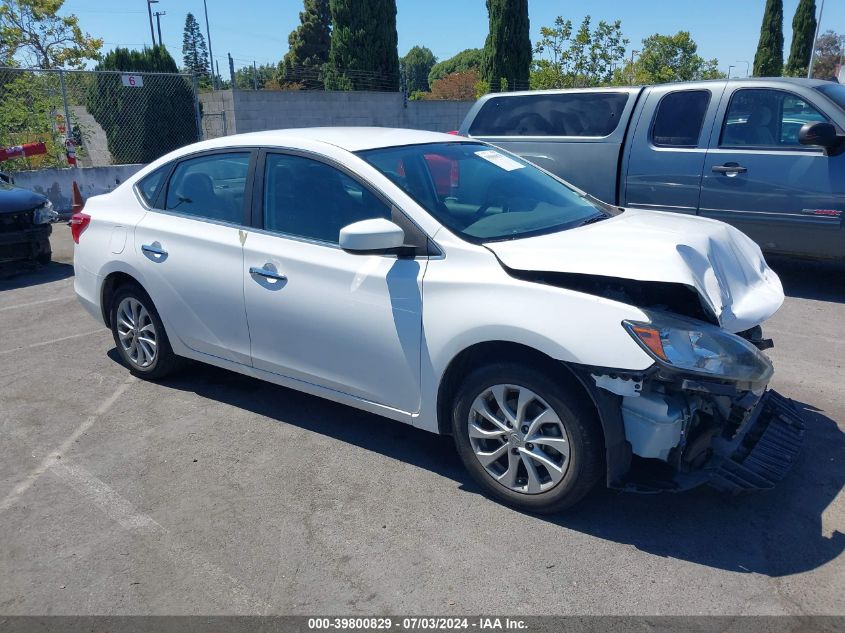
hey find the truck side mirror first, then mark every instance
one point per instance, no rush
(820, 133)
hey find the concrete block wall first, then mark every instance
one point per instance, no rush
(57, 184)
(267, 110)
(216, 102)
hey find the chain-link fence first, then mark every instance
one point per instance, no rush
(95, 118)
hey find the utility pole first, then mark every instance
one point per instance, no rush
(730, 68)
(815, 39)
(150, 4)
(158, 15)
(633, 73)
(210, 52)
(232, 72)
(254, 75)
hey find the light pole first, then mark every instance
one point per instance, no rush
(730, 68)
(210, 52)
(158, 15)
(150, 4)
(747, 65)
(633, 74)
(815, 39)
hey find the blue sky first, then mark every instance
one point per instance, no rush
(258, 29)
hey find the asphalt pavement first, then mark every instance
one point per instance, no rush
(213, 493)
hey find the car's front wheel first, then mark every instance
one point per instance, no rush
(529, 440)
(139, 334)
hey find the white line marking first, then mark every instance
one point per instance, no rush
(124, 513)
(36, 303)
(55, 340)
(54, 457)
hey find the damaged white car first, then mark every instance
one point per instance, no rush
(450, 285)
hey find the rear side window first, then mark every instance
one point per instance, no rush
(150, 185)
(210, 187)
(563, 114)
(679, 118)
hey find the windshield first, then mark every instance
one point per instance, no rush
(835, 92)
(481, 193)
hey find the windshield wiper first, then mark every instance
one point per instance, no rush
(593, 219)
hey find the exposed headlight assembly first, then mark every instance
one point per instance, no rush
(45, 214)
(699, 348)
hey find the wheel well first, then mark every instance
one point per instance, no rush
(489, 353)
(112, 282)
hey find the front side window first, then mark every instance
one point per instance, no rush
(210, 187)
(761, 117)
(307, 198)
(482, 193)
(679, 118)
(562, 114)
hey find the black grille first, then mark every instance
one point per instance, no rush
(11, 222)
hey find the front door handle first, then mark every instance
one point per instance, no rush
(267, 273)
(729, 169)
(154, 249)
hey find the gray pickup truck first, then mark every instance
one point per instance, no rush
(765, 155)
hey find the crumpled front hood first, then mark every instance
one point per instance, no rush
(723, 265)
(16, 199)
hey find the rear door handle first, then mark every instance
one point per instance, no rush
(154, 249)
(265, 272)
(729, 169)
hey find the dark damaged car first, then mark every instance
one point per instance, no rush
(25, 226)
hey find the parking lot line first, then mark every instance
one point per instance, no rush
(56, 455)
(50, 342)
(37, 303)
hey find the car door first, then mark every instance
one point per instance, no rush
(190, 254)
(669, 146)
(346, 322)
(784, 195)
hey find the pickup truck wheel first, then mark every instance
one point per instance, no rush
(139, 334)
(526, 439)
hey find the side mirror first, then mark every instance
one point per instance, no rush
(820, 133)
(371, 237)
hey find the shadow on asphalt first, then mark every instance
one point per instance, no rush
(774, 533)
(54, 271)
(810, 279)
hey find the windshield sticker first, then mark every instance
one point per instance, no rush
(500, 160)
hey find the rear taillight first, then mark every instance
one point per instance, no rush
(78, 223)
(453, 132)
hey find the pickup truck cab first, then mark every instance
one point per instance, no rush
(765, 155)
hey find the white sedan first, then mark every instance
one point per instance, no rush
(453, 286)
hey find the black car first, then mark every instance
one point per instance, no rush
(25, 218)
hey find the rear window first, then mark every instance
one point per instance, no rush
(679, 118)
(563, 114)
(835, 92)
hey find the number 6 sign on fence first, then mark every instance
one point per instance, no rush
(132, 81)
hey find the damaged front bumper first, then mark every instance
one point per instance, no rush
(666, 431)
(26, 244)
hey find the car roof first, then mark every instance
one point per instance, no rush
(351, 139)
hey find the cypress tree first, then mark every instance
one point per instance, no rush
(768, 61)
(803, 32)
(309, 45)
(363, 53)
(507, 50)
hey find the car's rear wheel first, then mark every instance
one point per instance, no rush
(529, 440)
(139, 334)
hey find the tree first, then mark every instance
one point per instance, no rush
(803, 32)
(415, 67)
(465, 60)
(31, 31)
(247, 77)
(668, 58)
(194, 50)
(507, 50)
(143, 123)
(576, 59)
(460, 86)
(310, 43)
(363, 51)
(828, 54)
(768, 61)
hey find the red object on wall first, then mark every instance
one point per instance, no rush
(18, 151)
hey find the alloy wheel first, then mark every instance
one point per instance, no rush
(518, 438)
(137, 333)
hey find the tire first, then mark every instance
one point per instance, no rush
(566, 451)
(132, 312)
